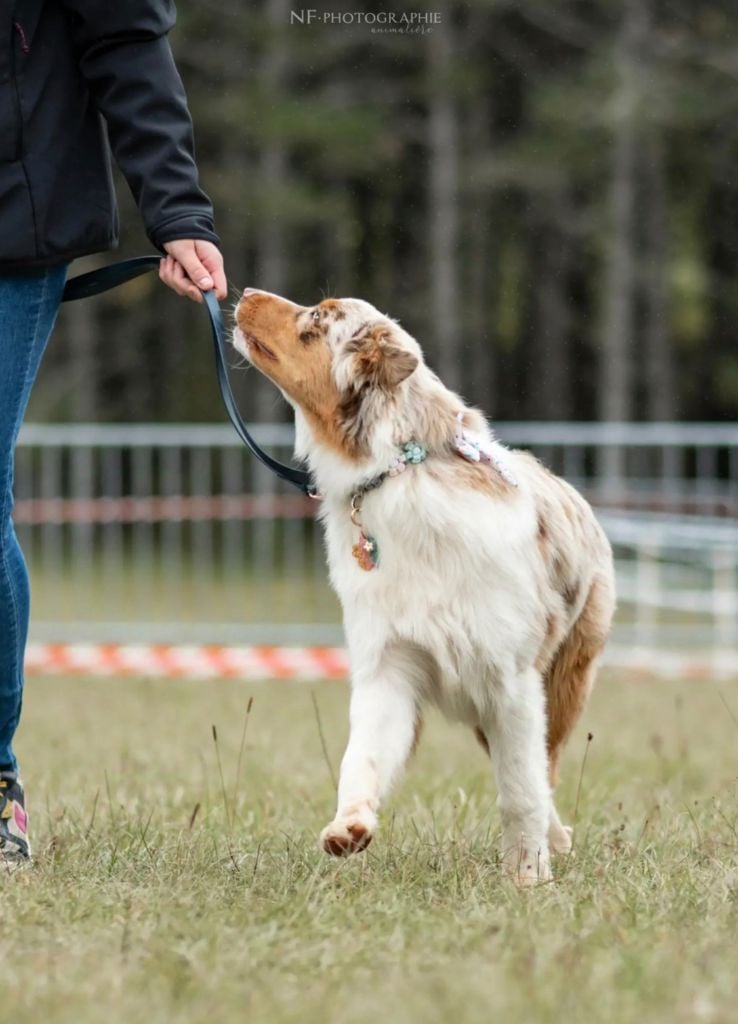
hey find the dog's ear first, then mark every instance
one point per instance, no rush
(381, 361)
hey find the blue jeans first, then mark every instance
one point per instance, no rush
(28, 307)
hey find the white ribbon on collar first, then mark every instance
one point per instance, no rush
(476, 448)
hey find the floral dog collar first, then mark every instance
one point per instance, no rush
(366, 551)
(468, 443)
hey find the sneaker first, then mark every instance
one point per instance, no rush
(14, 846)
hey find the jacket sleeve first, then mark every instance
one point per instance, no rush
(125, 58)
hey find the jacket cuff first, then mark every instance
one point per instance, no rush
(198, 226)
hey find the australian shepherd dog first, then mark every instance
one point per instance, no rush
(470, 576)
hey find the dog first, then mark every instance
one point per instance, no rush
(470, 577)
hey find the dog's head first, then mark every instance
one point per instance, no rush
(333, 360)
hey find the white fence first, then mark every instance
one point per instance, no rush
(174, 533)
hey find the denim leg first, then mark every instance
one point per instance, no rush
(28, 307)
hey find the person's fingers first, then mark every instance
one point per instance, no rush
(212, 260)
(182, 284)
(165, 272)
(186, 255)
(172, 274)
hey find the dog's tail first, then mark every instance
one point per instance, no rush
(571, 674)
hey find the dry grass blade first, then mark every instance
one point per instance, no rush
(226, 805)
(241, 749)
(590, 737)
(323, 745)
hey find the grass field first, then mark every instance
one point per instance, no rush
(135, 913)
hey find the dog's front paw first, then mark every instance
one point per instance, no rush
(527, 863)
(350, 833)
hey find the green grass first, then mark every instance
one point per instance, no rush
(131, 914)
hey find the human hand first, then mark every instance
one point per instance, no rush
(193, 266)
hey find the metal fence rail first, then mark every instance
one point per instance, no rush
(172, 533)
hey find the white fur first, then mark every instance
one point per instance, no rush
(445, 618)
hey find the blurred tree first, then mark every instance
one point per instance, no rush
(543, 191)
(661, 398)
(443, 198)
(616, 394)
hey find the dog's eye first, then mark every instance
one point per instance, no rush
(316, 316)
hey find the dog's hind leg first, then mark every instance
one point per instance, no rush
(516, 737)
(385, 725)
(568, 683)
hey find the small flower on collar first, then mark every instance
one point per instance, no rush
(397, 465)
(414, 452)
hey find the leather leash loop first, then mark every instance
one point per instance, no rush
(97, 281)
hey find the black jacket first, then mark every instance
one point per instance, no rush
(68, 70)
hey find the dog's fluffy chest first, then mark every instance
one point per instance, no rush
(454, 581)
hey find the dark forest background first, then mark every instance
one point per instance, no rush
(545, 192)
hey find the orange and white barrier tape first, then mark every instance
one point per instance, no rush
(306, 663)
(182, 662)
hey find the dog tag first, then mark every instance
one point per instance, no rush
(365, 552)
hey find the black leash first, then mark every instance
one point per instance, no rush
(103, 280)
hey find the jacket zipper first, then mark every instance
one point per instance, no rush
(17, 30)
